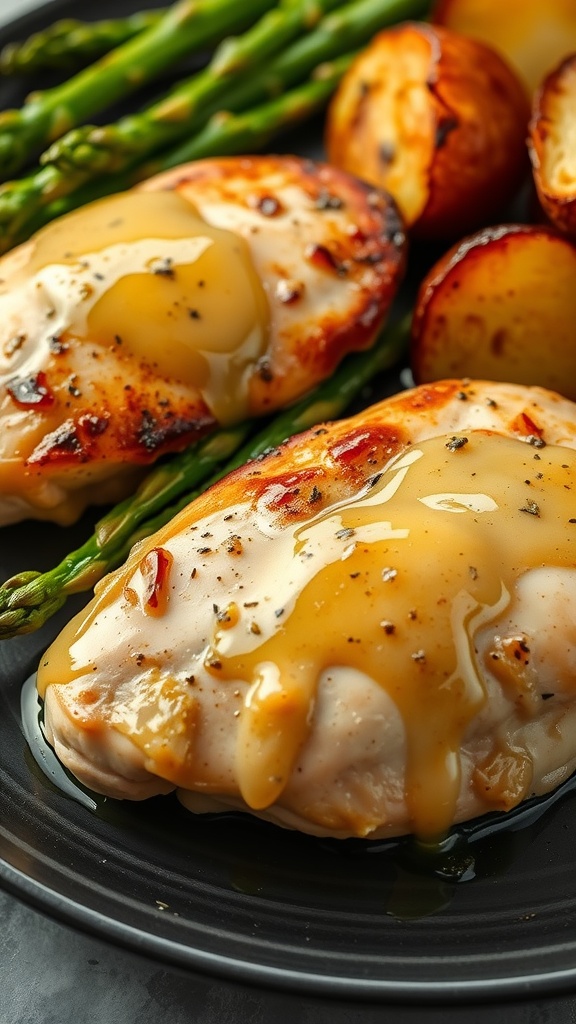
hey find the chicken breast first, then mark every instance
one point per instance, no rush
(369, 632)
(219, 291)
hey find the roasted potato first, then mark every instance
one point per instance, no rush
(437, 119)
(552, 145)
(501, 305)
(533, 35)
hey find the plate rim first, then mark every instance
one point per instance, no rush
(80, 917)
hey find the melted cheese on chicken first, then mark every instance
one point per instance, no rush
(135, 325)
(370, 632)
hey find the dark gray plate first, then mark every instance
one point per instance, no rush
(250, 902)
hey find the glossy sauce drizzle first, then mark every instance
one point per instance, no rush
(395, 583)
(144, 271)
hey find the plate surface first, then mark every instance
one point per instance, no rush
(250, 902)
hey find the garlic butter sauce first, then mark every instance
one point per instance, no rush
(396, 583)
(142, 270)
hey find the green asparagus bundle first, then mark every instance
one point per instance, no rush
(29, 599)
(187, 26)
(106, 149)
(87, 153)
(70, 44)
(224, 134)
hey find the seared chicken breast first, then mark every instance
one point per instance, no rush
(217, 292)
(369, 632)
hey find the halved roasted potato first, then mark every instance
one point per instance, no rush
(501, 305)
(533, 35)
(552, 144)
(437, 119)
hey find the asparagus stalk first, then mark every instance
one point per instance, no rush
(31, 594)
(70, 44)
(186, 26)
(29, 599)
(225, 133)
(106, 149)
(28, 203)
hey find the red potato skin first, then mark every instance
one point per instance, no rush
(480, 113)
(500, 303)
(479, 165)
(560, 208)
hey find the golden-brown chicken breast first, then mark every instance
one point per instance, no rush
(368, 632)
(216, 292)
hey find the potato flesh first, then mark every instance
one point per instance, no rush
(532, 35)
(436, 119)
(397, 113)
(558, 163)
(502, 306)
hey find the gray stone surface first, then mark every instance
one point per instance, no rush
(49, 974)
(52, 975)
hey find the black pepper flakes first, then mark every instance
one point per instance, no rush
(56, 345)
(535, 440)
(164, 267)
(325, 200)
(531, 507)
(455, 443)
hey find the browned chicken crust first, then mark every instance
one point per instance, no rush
(77, 413)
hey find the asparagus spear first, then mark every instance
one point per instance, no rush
(82, 568)
(186, 26)
(225, 133)
(29, 599)
(70, 44)
(28, 203)
(105, 149)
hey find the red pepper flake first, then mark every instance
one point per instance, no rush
(322, 258)
(32, 391)
(93, 425)
(155, 569)
(524, 424)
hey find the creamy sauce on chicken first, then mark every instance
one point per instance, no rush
(144, 271)
(397, 583)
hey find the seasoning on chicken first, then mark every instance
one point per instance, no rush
(368, 632)
(216, 292)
